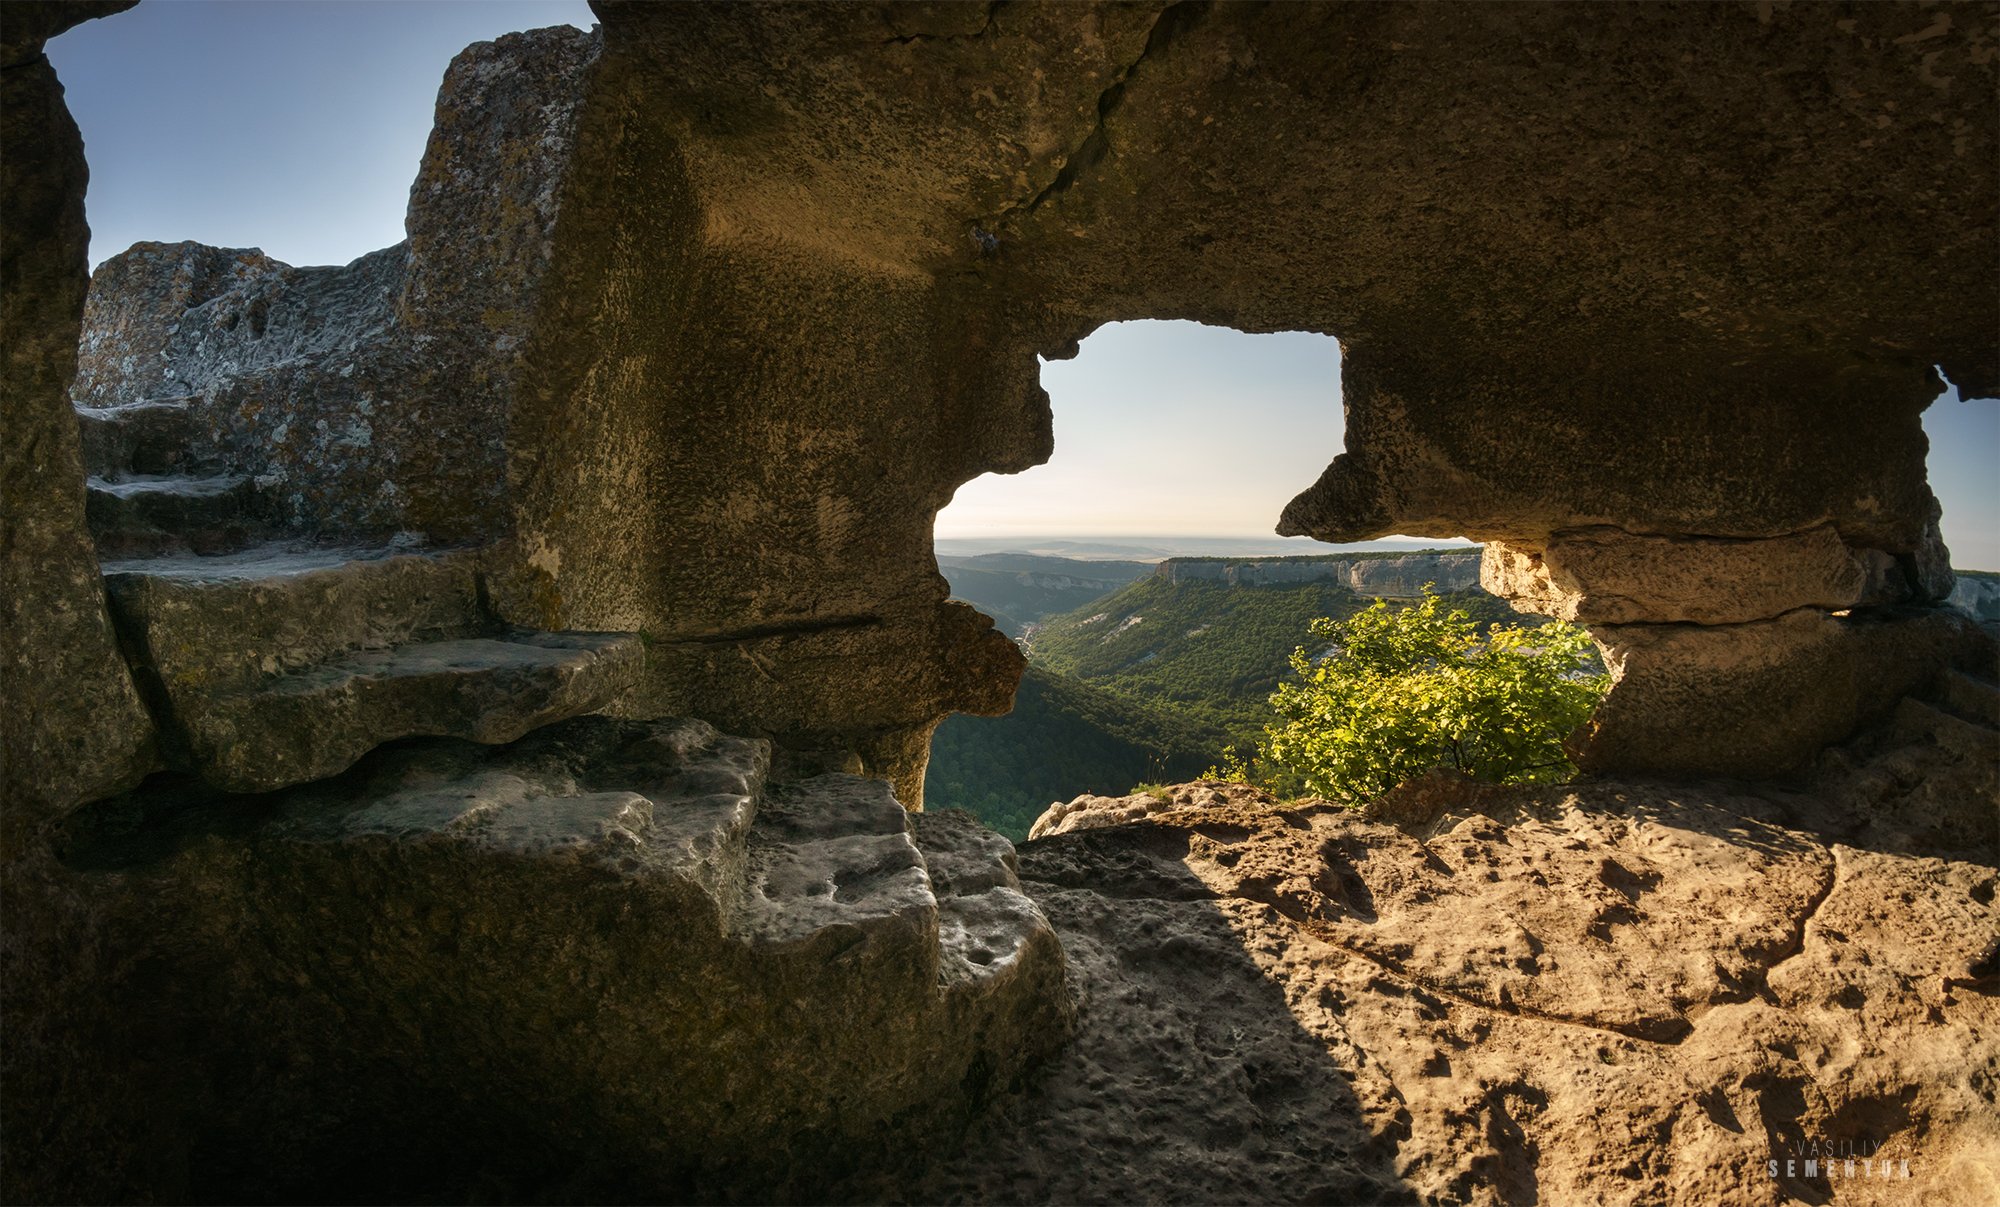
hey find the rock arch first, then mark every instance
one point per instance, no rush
(1598, 298)
(1645, 296)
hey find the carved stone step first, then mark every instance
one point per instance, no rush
(832, 861)
(218, 623)
(282, 664)
(836, 865)
(152, 437)
(988, 930)
(663, 799)
(315, 723)
(146, 515)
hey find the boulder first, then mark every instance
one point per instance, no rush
(1606, 576)
(608, 961)
(1089, 812)
(1759, 699)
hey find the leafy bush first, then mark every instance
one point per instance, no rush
(1404, 690)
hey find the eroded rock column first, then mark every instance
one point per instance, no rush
(1739, 656)
(1762, 580)
(766, 358)
(74, 727)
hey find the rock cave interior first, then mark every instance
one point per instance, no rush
(468, 708)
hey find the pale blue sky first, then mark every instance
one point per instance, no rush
(297, 127)
(291, 125)
(1169, 428)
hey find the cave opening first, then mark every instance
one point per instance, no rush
(1177, 445)
(1964, 435)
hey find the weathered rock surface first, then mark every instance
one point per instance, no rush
(278, 666)
(1604, 576)
(1394, 577)
(606, 961)
(1618, 992)
(1762, 699)
(86, 732)
(1977, 595)
(330, 385)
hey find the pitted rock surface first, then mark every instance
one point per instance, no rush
(607, 961)
(1615, 992)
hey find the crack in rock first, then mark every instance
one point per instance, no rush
(1664, 1032)
(1171, 21)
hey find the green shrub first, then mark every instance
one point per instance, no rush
(1404, 690)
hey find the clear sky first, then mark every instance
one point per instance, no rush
(294, 126)
(1169, 428)
(297, 127)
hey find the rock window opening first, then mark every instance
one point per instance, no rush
(1139, 570)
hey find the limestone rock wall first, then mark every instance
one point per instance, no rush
(73, 727)
(369, 398)
(1547, 328)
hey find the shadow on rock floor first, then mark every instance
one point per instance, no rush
(1632, 992)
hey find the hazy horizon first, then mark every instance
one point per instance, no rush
(1160, 546)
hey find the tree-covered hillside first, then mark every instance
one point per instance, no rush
(1017, 589)
(1209, 652)
(1145, 683)
(1064, 737)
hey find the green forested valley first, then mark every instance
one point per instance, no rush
(1145, 682)
(1208, 651)
(1017, 589)
(1063, 737)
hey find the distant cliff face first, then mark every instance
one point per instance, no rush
(1398, 577)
